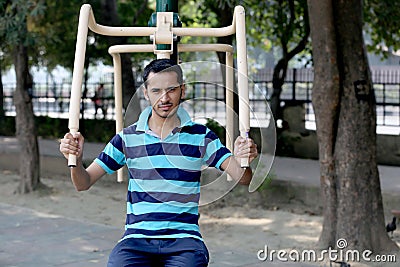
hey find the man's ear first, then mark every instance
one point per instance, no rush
(183, 92)
(146, 96)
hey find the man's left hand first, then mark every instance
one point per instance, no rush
(245, 148)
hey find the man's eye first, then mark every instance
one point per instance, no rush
(155, 91)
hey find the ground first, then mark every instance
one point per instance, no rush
(243, 227)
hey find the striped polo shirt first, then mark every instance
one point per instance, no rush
(164, 175)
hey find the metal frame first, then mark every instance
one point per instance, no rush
(164, 33)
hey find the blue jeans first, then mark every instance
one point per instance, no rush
(144, 252)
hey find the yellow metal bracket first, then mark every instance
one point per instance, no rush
(164, 34)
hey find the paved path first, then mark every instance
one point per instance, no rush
(30, 238)
(34, 239)
(306, 171)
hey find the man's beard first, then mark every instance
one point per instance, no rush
(171, 113)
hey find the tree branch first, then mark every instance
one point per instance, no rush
(303, 42)
(139, 11)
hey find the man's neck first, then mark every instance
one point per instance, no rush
(163, 126)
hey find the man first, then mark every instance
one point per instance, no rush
(98, 100)
(164, 152)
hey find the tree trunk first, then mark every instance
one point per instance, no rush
(280, 69)
(29, 168)
(278, 79)
(360, 208)
(325, 98)
(344, 105)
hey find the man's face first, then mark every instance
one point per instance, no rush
(164, 93)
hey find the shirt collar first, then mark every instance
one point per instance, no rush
(142, 123)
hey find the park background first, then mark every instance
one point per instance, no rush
(48, 84)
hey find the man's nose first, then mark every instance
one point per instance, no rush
(165, 96)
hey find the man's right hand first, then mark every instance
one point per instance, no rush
(72, 144)
(82, 178)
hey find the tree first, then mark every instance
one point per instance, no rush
(58, 28)
(382, 21)
(61, 19)
(344, 105)
(14, 31)
(110, 15)
(132, 13)
(208, 14)
(224, 12)
(285, 24)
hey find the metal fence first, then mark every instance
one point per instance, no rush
(207, 100)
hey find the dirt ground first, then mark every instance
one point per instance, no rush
(240, 227)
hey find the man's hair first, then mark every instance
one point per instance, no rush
(160, 65)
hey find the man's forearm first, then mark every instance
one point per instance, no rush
(80, 177)
(246, 176)
(232, 166)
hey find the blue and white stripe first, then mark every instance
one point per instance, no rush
(164, 185)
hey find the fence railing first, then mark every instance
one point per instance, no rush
(207, 100)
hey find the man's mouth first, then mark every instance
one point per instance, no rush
(165, 107)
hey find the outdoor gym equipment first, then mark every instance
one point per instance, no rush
(164, 35)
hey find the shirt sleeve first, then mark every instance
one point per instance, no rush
(216, 152)
(112, 157)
